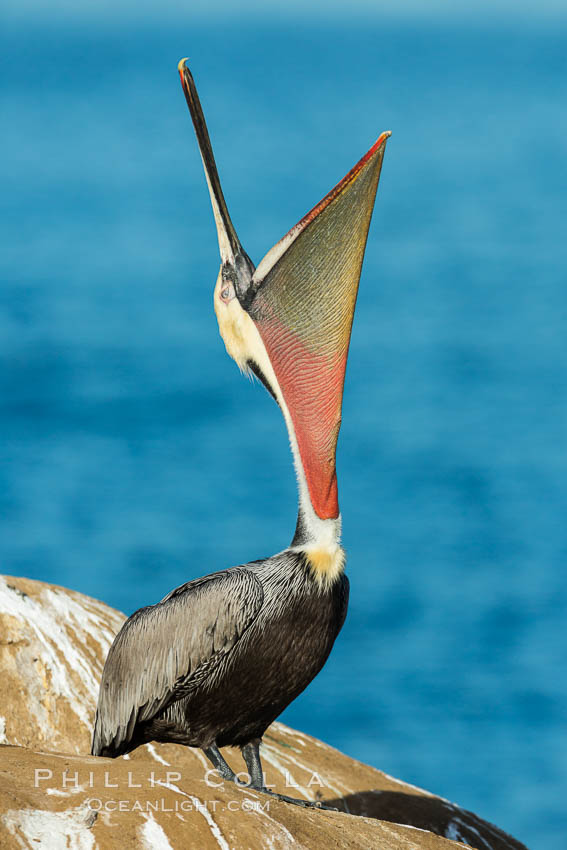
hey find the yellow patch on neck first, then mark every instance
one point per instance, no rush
(326, 563)
(236, 329)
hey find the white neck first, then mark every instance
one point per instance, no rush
(318, 538)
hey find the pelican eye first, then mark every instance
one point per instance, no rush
(227, 292)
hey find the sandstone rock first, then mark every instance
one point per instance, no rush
(53, 643)
(53, 794)
(62, 801)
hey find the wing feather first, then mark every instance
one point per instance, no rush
(164, 650)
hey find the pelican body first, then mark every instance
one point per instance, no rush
(219, 658)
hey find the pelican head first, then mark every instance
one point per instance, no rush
(289, 320)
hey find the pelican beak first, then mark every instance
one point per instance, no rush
(302, 298)
(291, 320)
(237, 266)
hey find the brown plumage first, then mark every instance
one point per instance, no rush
(219, 658)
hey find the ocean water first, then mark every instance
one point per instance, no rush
(133, 456)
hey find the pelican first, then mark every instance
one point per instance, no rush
(220, 657)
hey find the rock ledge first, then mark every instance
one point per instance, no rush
(53, 643)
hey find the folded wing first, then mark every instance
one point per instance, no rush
(162, 649)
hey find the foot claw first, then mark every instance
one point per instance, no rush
(306, 804)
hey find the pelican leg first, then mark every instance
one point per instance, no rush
(251, 755)
(218, 762)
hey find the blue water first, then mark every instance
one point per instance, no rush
(134, 457)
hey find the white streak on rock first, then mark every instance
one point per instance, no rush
(65, 792)
(409, 785)
(201, 807)
(199, 755)
(66, 628)
(340, 791)
(153, 835)
(290, 840)
(453, 831)
(409, 826)
(68, 830)
(213, 826)
(293, 733)
(154, 753)
(270, 754)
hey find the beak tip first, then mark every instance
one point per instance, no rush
(182, 65)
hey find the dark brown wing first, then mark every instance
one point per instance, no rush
(160, 649)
